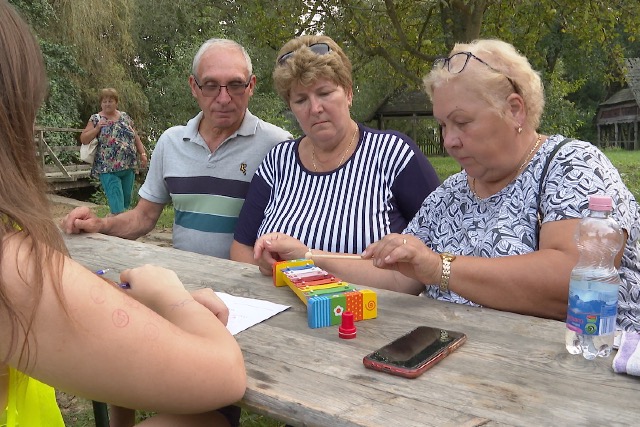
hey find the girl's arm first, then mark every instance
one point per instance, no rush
(161, 350)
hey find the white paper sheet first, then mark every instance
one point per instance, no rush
(246, 312)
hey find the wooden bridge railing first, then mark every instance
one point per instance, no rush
(70, 173)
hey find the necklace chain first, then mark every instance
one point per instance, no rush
(313, 151)
(527, 159)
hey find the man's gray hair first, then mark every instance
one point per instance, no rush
(220, 43)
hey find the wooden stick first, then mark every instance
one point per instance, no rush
(310, 255)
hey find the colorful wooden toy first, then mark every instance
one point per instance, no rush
(325, 296)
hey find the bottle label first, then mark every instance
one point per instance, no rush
(592, 307)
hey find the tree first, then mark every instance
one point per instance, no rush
(408, 35)
(87, 46)
(144, 48)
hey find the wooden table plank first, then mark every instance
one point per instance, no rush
(513, 369)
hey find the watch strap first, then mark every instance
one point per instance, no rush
(447, 258)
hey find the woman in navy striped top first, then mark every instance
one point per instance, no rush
(342, 186)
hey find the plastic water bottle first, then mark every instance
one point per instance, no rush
(593, 289)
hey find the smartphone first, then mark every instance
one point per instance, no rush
(412, 354)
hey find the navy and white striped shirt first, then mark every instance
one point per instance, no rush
(377, 191)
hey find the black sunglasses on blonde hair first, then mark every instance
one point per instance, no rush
(317, 48)
(457, 62)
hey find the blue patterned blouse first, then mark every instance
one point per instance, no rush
(116, 146)
(452, 219)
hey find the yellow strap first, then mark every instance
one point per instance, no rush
(11, 399)
(6, 220)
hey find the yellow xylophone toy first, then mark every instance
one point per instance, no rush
(325, 296)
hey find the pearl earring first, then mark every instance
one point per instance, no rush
(519, 129)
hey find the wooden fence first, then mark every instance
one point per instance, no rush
(61, 163)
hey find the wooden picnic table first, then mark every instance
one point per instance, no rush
(512, 371)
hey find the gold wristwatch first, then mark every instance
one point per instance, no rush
(447, 259)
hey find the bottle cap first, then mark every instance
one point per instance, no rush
(347, 329)
(599, 202)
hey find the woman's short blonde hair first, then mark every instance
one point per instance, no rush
(305, 66)
(109, 92)
(492, 86)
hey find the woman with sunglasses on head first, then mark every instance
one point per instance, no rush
(476, 239)
(341, 186)
(154, 346)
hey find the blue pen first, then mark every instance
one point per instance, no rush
(123, 285)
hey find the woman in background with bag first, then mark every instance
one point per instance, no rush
(116, 152)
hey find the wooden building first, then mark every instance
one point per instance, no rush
(411, 112)
(618, 117)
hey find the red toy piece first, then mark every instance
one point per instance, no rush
(347, 329)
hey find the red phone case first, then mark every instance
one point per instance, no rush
(421, 367)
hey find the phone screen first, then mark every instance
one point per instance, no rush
(413, 353)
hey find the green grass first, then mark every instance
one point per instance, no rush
(445, 166)
(628, 164)
(165, 220)
(100, 199)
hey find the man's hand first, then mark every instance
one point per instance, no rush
(81, 220)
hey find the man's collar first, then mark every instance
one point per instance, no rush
(191, 129)
(248, 126)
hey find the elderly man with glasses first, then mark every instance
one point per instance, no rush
(205, 167)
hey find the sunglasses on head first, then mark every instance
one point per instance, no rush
(317, 48)
(457, 62)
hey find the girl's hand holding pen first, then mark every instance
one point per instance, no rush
(156, 287)
(122, 285)
(160, 289)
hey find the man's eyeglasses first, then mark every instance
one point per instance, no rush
(213, 89)
(457, 62)
(317, 48)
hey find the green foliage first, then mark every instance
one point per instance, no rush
(272, 109)
(423, 131)
(34, 11)
(373, 82)
(560, 114)
(144, 49)
(60, 107)
(167, 36)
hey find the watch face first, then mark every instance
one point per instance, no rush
(447, 256)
